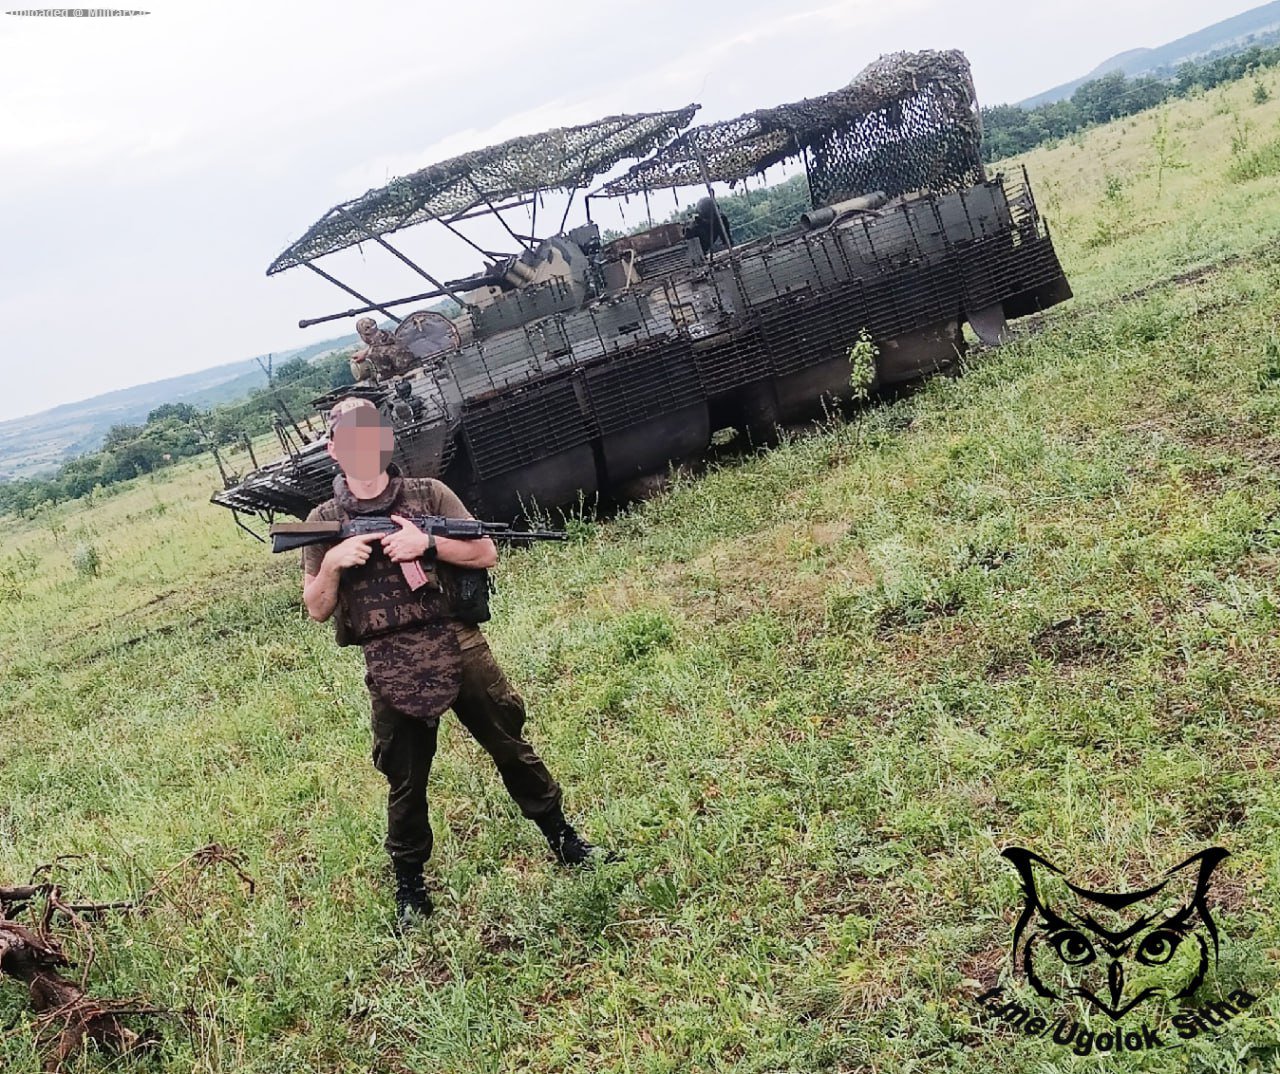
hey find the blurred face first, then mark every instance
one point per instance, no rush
(366, 330)
(362, 443)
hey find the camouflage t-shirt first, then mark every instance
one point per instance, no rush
(387, 354)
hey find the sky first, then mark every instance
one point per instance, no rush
(152, 167)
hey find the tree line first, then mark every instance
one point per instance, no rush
(176, 431)
(1009, 129)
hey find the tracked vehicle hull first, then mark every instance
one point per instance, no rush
(578, 367)
(584, 399)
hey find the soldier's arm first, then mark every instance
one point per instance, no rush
(319, 586)
(361, 369)
(320, 594)
(410, 543)
(320, 590)
(478, 553)
(481, 553)
(441, 500)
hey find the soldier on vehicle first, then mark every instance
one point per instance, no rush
(709, 226)
(420, 658)
(382, 355)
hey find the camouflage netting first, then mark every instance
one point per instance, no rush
(565, 157)
(907, 122)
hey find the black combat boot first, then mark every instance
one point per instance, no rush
(413, 904)
(566, 844)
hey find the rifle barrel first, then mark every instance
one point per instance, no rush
(290, 536)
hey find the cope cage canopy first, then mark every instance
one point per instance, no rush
(909, 121)
(561, 158)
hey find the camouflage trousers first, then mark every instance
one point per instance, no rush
(404, 747)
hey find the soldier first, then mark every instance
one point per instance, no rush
(382, 356)
(709, 226)
(419, 658)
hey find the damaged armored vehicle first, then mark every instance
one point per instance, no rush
(572, 365)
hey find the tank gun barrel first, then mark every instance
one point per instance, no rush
(356, 311)
(449, 287)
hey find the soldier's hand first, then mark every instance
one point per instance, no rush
(407, 543)
(352, 552)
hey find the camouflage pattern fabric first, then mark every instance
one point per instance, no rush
(416, 671)
(388, 355)
(909, 121)
(563, 158)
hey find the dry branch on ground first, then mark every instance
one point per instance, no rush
(33, 955)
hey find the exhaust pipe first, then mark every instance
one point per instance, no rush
(828, 214)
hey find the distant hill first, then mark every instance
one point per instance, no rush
(1258, 26)
(38, 443)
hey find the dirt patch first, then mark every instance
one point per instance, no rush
(1209, 819)
(1247, 444)
(1006, 666)
(825, 533)
(498, 940)
(1262, 252)
(1084, 638)
(983, 966)
(1261, 565)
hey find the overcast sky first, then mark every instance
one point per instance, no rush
(152, 167)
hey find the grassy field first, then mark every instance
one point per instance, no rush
(810, 695)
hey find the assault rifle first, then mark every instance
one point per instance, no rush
(288, 536)
(470, 596)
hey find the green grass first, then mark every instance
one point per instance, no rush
(810, 695)
(1257, 163)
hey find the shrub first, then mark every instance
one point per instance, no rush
(862, 365)
(640, 632)
(1257, 164)
(86, 560)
